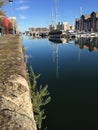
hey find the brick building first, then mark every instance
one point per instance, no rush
(87, 23)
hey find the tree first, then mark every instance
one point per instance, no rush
(2, 2)
(2, 14)
(39, 97)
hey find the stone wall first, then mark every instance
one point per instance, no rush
(15, 104)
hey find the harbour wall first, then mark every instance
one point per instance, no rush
(16, 112)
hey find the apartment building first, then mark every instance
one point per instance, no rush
(87, 23)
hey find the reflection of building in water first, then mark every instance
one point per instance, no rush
(87, 43)
(31, 37)
(59, 40)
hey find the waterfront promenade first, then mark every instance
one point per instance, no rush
(15, 104)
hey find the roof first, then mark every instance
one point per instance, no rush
(86, 16)
(96, 15)
(77, 19)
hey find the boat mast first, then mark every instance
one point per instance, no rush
(80, 19)
(80, 11)
(55, 11)
(52, 17)
(55, 14)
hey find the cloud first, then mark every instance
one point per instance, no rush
(22, 16)
(22, 8)
(21, 1)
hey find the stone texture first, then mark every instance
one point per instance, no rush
(15, 104)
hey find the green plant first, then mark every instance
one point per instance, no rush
(39, 97)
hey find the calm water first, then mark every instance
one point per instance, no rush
(71, 72)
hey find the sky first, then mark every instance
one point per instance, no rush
(39, 13)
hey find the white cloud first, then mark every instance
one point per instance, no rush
(22, 16)
(22, 8)
(21, 1)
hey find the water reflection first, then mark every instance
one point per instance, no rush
(55, 43)
(87, 43)
(55, 58)
(74, 92)
(31, 37)
(60, 40)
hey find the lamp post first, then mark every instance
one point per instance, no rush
(11, 1)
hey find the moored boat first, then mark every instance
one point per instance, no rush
(56, 34)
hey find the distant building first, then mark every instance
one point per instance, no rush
(72, 28)
(94, 21)
(38, 29)
(13, 24)
(60, 26)
(87, 22)
(52, 27)
(63, 26)
(32, 29)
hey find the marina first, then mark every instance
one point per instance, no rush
(49, 65)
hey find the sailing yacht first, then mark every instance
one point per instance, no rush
(55, 32)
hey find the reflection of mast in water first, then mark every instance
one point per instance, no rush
(55, 56)
(80, 47)
(56, 60)
(79, 53)
(53, 52)
(26, 58)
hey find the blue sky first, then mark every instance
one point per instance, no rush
(38, 13)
